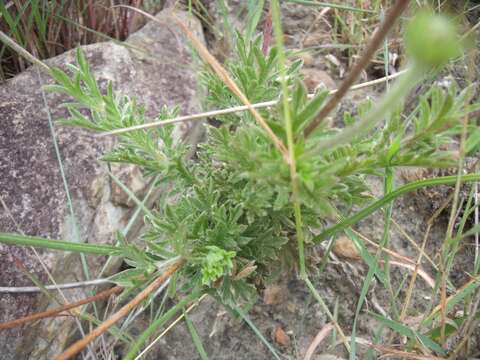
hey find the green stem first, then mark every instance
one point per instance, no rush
(444, 180)
(373, 266)
(257, 332)
(388, 188)
(135, 348)
(324, 307)
(38, 242)
(293, 170)
(403, 85)
(290, 140)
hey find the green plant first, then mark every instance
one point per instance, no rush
(240, 204)
(48, 28)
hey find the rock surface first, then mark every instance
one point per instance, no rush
(156, 68)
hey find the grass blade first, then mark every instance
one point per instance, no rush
(39, 242)
(409, 333)
(195, 338)
(135, 348)
(443, 180)
(257, 332)
(255, 8)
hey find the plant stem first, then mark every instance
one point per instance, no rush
(38, 242)
(443, 180)
(385, 243)
(31, 289)
(361, 64)
(258, 333)
(80, 344)
(324, 307)
(373, 266)
(135, 348)
(22, 52)
(53, 312)
(275, 9)
(397, 93)
(447, 251)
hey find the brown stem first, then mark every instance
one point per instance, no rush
(53, 312)
(267, 32)
(82, 343)
(227, 80)
(374, 43)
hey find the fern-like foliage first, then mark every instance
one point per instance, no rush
(230, 214)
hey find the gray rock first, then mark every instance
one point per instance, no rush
(156, 68)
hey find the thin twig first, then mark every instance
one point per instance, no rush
(22, 52)
(56, 311)
(225, 77)
(82, 343)
(361, 64)
(415, 245)
(390, 352)
(415, 269)
(322, 334)
(411, 285)
(392, 253)
(175, 322)
(405, 261)
(234, 109)
(477, 242)
(445, 250)
(438, 308)
(31, 289)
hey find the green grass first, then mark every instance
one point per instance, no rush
(48, 28)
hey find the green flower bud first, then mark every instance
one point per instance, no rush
(432, 39)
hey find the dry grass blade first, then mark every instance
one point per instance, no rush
(415, 245)
(54, 312)
(376, 41)
(187, 117)
(171, 326)
(386, 250)
(234, 109)
(452, 297)
(322, 334)
(404, 262)
(414, 275)
(82, 343)
(416, 270)
(223, 75)
(31, 289)
(390, 352)
(22, 52)
(450, 227)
